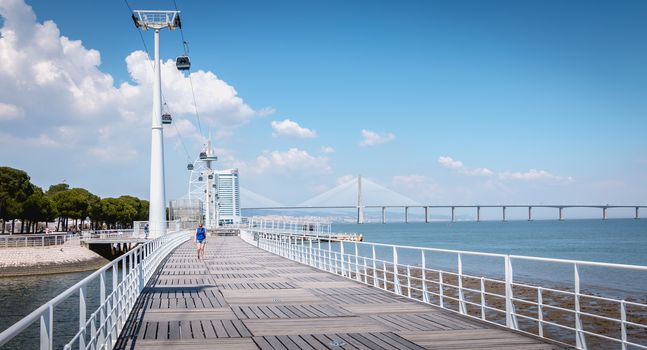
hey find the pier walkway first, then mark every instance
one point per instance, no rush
(241, 297)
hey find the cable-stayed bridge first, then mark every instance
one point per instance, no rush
(362, 193)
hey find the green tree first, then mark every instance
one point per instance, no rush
(117, 212)
(54, 189)
(38, 207)
(15, 188)
(74, 204)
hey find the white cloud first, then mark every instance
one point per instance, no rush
(372, 138)
(535, 175)
(113, 154)
(418, 186)
(40, 141)
(288, 127)
(292, 160)
(344, 179)
(9, 111)
(450, 163)
(55, 84)
(327, 149)
(477, 172)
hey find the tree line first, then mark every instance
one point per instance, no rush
(69, 207)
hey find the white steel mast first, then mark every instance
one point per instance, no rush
(157, 20)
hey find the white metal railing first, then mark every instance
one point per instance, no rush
(565, 314)
(291, 227)
(45, 240)
(128, 274)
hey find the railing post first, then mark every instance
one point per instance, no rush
(408, 281)
(482, 298)
(140, 270)
(510, 317)
(93, 332)
(386, 287)
(365, 272)
(540, 312)
(580, 340)
(46, 329)
(396, 280)
(375, 281)
(441, 289)
(425, 294)
(102, 300)
(357, 275)
(341, 251)
(461, 297)
(623, 324)
(82, 317)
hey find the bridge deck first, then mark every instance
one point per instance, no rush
(241, 297)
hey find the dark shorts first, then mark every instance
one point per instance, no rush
(200, 241)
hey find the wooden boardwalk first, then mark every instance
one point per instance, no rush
(241, 297)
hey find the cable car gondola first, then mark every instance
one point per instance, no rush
(183, 63)
(167, 119)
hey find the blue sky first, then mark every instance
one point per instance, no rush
(461, 101)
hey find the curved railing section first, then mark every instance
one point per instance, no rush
(565, 310)
(120, 282)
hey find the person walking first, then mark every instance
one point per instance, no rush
(200, 240)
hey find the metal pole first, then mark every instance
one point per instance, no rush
(157, 213)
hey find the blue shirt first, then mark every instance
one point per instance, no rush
(199, 233)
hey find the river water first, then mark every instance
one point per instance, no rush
(621, 241)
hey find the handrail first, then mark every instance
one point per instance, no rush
(37, 240)
(497, 300)
(129, 275)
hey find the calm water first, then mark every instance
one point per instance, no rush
(622, 241)
(615, 241)
(21, 295)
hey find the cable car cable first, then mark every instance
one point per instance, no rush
(186, 52)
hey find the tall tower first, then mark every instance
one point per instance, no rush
(360, 201)
(157, 20)
(211, 200)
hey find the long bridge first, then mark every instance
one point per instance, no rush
(426, 209)
(276, 286)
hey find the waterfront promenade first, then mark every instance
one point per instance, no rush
(241, 297)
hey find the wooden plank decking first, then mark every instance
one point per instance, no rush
(241, 297)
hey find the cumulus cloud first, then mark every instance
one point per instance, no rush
(344, 179)
(9, 111)
(292, 160)
(372, 138)
(535, 175)
(53, 91)
(290, 128)
(327, 149)
(450, 163)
